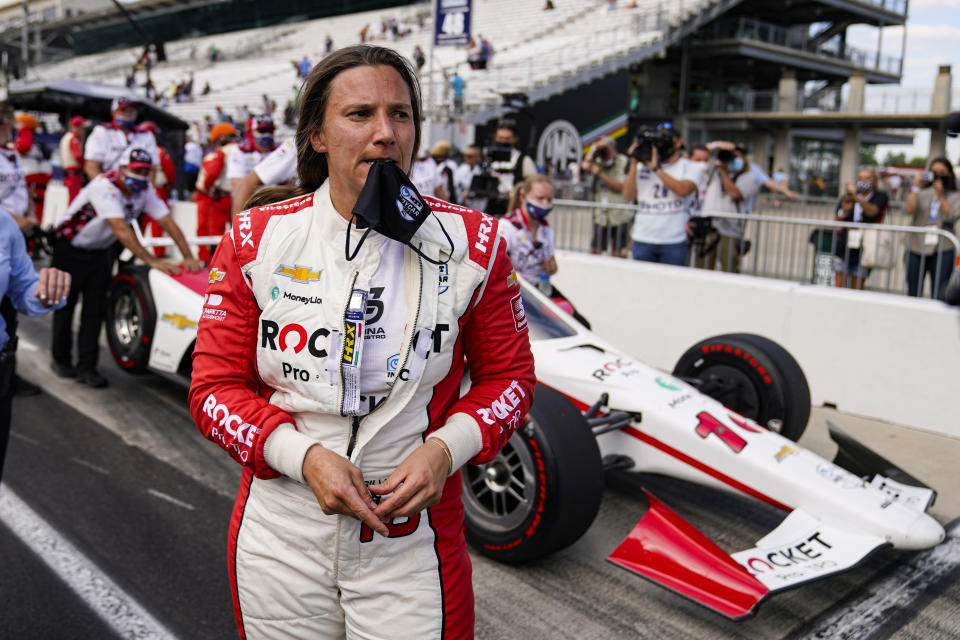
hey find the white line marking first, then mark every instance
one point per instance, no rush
(896, 592)
(24, 438)
(90, 465)
(26, 344)
(111, 603)
(168, 498)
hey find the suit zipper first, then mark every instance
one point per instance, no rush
(416, 318)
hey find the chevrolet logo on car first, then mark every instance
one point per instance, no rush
(297, 273)
(178, 320)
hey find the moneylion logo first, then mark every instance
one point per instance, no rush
(297, 273)
(178, 320)
(275, 293)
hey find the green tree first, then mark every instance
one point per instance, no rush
(894, 159)
(918, 161)
(868, 156)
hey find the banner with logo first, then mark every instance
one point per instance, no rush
(452, 24)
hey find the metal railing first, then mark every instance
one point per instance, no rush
(799, 242)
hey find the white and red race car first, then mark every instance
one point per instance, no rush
(596, 409)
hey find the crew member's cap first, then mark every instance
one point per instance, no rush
(441, 149)
(79, 121)
(122, 102)
(137, 159)
(222, 129)
(27, 120)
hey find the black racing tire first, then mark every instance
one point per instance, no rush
(754, 376)
(131, 318)
(542, 491)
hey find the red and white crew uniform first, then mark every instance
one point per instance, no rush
(107, 142)
(254, 148)
(36, 169)
(279, 366)
(213, 188)
(71, 156)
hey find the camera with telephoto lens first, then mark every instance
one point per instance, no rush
(601, 153)
(725, 156)
(702, 226)
(662, 139)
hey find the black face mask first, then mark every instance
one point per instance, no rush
(392, 206)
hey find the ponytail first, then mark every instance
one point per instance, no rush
(523, 188)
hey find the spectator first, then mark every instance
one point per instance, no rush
(304, 66)
(548, 5)
(192, 159)
(240, 116)
(530, 239)
(96, 219)
(347, 566)
(608, 170)
(477, 53)
(459, 85)
(935, 205)
(71, 155)
(269, 105)
(463, 178)
(33, 158)
(206, 88)
(29, 293)
(664, 191)
(862, 202)
(729, 184)
(419, 58)
(108, 142)
(214, 186)
(511, 167)
(221, 114)
(699, 153)
(328, 45)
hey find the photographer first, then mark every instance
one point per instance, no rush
(663, 183)
(861, 202)
(936, 204)
(729, 183)
(609, 170)
(508, 164)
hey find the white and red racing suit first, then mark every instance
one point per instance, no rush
(272, 377)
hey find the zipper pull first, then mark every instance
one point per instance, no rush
(354, 428)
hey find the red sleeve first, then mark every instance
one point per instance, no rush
(76, 149)
(497, 347)
(227, 399)
(166, 165)
(24, 140)
(212, 166)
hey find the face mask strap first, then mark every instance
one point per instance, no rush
(346, 241)
(428, 258)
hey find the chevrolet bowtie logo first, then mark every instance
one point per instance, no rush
(297, 273)
(216, 275)
(512, 279)
(178, 320)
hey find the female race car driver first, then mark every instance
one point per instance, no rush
(328, 362)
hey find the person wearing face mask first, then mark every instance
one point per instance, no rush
(728, 184)
(248, 154)
(329, 366)
(608, 170)
(107, 142)
(935, 205)
(861, 202)
(98, 217)
(214, 188)
(530, 239)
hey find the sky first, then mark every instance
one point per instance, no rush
(933, 39)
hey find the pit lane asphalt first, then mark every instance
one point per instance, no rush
(92, 463)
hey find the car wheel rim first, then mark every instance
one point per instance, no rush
(501, 493)
(126, 321)
(733, 388)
